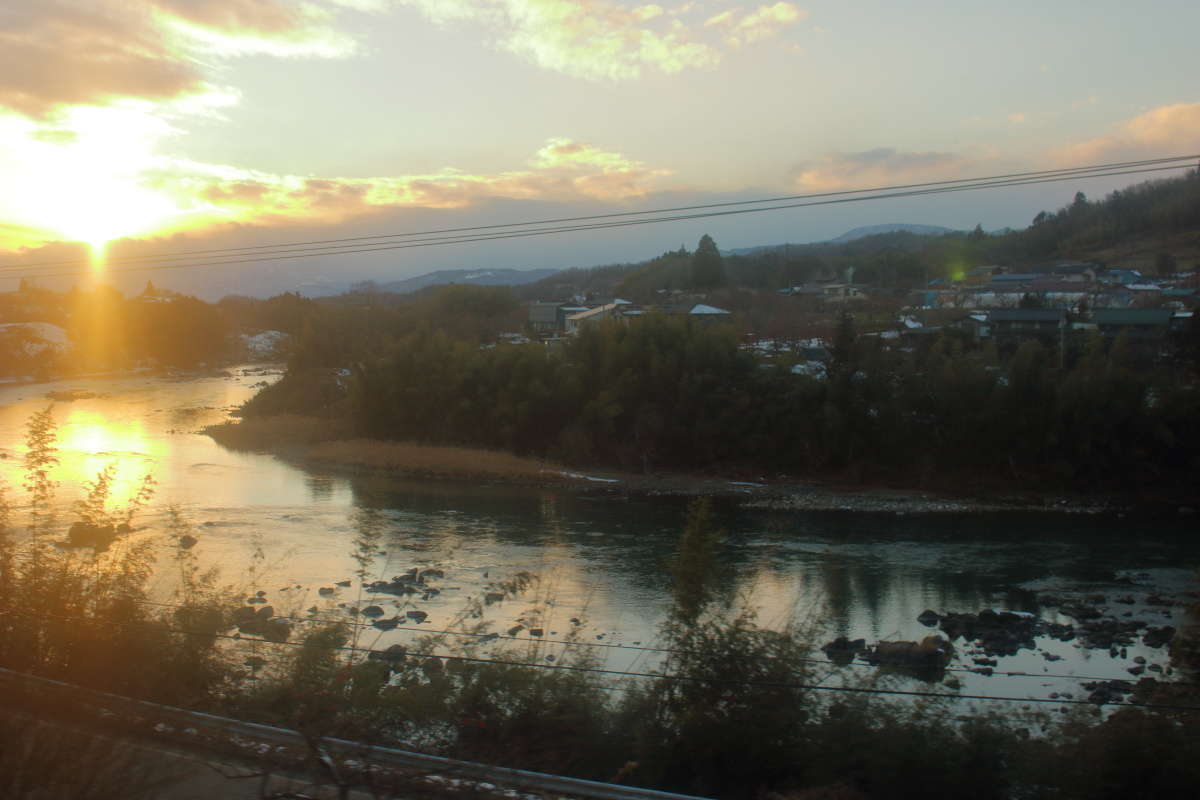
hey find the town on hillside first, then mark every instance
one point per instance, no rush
(1054, 304)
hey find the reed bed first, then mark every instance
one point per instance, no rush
(435, 461)
(321, 440)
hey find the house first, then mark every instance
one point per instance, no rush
(986, 272)
(702, 310)
(1014, 324)
(1141, 324)
(1121, 276)
(708, 315)
(840, 293)
(1075, 273)
(576, 321)
(1013, 279)
(976, 325)
(543, 317)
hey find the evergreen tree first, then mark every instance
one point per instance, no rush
(708, 268)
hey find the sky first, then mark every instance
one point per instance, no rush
(162, 126)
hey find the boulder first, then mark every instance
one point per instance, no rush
(998, 632)
(392, 656)
(929, 618)
(373, 611)
(842, 651)
(1107, 691)
(398, 586)
(85, 534)
(1109, 633)
(1081, 612)
(417, 616)
(1157, 637)
(930, 654)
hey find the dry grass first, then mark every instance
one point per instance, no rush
(51, 761)
(316, 439)
(433, 461)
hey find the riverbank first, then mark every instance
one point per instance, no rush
(326, 443)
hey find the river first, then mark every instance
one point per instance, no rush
(289, 531)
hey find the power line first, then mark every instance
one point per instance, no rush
(1065, 171)
(300, 250)
(351, 245)
(446, 657)
(311, 253)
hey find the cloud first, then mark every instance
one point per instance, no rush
(1164, 131)
(602, 40)
(879, 167)
(121, 186)
(562, 170)
(244, 27)
(762, 23)
(57, 53)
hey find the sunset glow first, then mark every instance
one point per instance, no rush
(90, 441)
(238, 122)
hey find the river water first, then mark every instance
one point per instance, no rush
(289, 531)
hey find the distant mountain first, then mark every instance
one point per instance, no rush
(475, 277)
(891, 227)
(848, 236)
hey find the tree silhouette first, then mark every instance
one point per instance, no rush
(708, 267)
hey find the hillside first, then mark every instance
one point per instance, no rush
(1151, 226)
(472, 277)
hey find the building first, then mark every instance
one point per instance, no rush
(1075, 273)
(544, 317)
(580, 319)
(1011, 325)
(1140, 324)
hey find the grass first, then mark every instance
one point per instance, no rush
(53, 761)
(435, 461)
(320, 440)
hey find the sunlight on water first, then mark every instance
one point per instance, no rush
(89, 442)
(99, 250)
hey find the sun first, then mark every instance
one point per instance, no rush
(98, 208)
(86, 180)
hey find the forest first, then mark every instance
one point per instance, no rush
(666, 393)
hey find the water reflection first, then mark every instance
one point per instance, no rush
(89, 442)
(600, 557)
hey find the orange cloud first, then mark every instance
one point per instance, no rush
(1164, 131)
(56, 53)
(879, 167)
(562, 169)
(263, 16)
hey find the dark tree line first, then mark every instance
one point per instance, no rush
(667, 393)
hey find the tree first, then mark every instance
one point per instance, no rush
(845, 342)
(1164, 264)
(1031, 300)
(708, 267)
